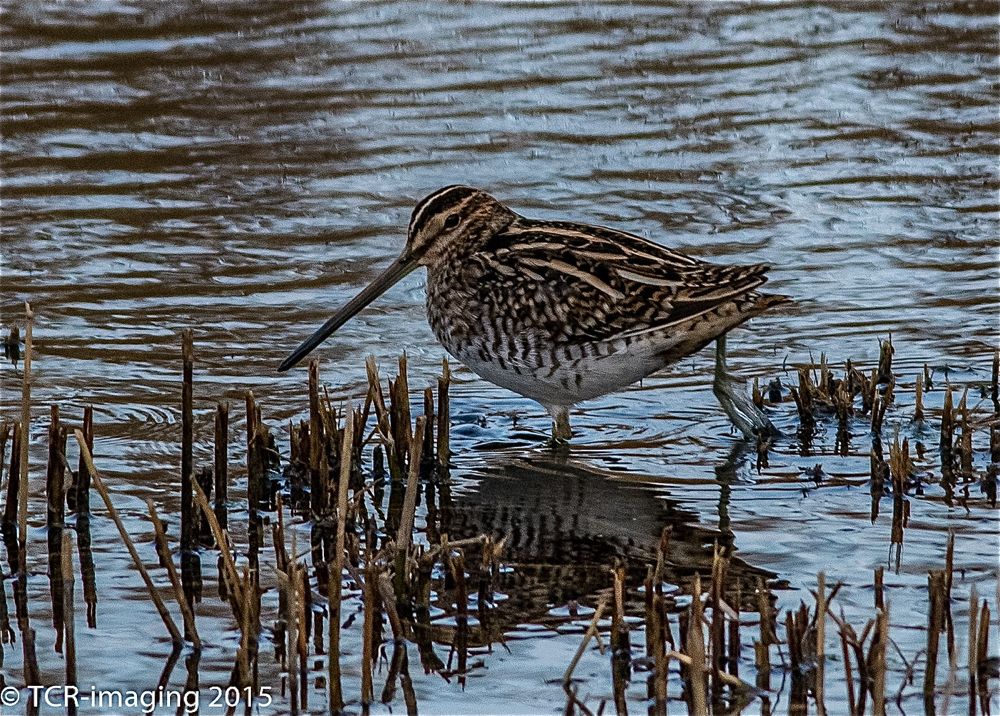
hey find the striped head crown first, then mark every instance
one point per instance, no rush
(453, 214)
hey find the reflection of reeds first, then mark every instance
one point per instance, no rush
(9, 519)
(965, 443)
(947, 432)
(102, 490)
(55, 514)
(190, 559)
(899, 470)
(935, 625)
(69, 624)
(335, 574)
(221, 464)
(22, 495)
(995, 382)
(187, 613)
(406, 571)
(864, 655)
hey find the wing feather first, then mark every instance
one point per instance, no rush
(603, 284)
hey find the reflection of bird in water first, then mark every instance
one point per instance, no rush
(562, 312)
(565, 525)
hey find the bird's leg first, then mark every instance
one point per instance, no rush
(734, 400)
(561, 432)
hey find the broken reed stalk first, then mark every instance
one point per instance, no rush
(187, 440)
(367, 647)
(251, 407)
(154, 595)
(22, 485)
(591, 632)
(221, 470)
(803, 402)
(982, 655)
(383, 420)
(876, 661)
(973, 639)
(993, 468)
(879, 406)
(947, 431)
(885, 354)
(302, 602)
(68, 624)
(899, 468)
(292, 622)
(935, 623)
(190, 629)
(843, 404)
(768, 635)
(84, 547)
(655, 644)
(233, 582)
(949, 580)
(918, 408)
(717, 630)
(398, 665)
(845, 633)
(696, 650)
(10, 508)
(978, 632)
(428, 452)
(82, 502)
(317, 441)
(726, 677)
(820, 683)
(4, 436)
(869, 390)
(793, 637)
(336, 692)
(248, 614)
(965, 443)
(756, 395)
(55, 513)
(456, 565)
(733, 655)
(404, 535)
(399, 394)
(443, 417)
(620, 651)
(995, 382)
(187, 468)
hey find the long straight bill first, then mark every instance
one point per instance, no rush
(396, 271)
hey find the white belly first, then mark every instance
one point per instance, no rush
(562, 381)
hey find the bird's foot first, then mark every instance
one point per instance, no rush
(733, 398)
(557, 446)
(561, 431)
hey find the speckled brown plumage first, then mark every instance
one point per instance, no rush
(556, 311)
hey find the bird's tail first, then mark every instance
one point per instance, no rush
(754, 303)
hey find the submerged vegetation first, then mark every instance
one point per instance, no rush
(395, 567)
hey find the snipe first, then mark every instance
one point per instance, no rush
(561, 312)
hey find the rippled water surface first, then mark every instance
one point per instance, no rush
(244, 168)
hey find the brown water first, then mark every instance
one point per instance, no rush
(244, 169)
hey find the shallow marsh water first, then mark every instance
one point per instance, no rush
(244, 169)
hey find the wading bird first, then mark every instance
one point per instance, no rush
(561, 312)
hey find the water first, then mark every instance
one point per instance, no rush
(243, 170)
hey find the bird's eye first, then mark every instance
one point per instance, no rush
(452, 221)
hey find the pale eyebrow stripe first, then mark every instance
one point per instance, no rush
(431, 200)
